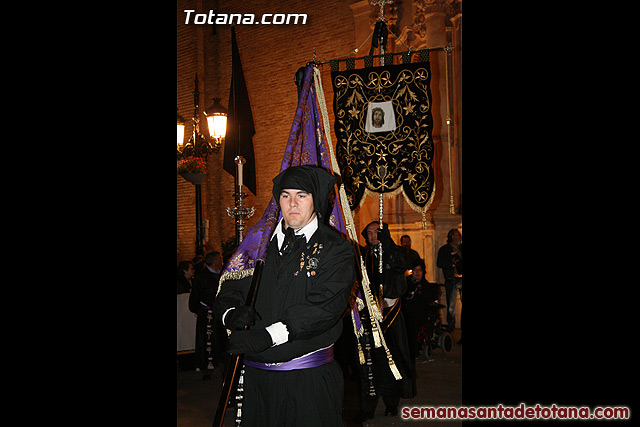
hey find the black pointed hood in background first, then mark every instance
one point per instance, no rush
(240, 129)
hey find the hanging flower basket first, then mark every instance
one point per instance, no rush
(193, 169)
(194, 178)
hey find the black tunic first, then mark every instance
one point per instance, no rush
(417, 311)
(393, 327)
(308, 290)
(204, 291)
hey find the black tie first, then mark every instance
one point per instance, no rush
(289, 240)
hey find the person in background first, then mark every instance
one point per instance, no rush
(198, 264)
(201, 300)
(393, 287)
(185, 275)
(410, 255)
(420, 293)
(450, 261)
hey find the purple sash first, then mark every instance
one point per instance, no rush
(311, 360)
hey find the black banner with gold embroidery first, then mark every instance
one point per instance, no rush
(383, 123)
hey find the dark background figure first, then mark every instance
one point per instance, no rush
(450, 261)
(198, 263)
(185, 277)
(185, 273)
(393, 328)
(420, 292)
(208, 340)
(228, 253)
(411, 255)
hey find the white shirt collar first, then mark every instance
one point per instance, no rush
(212, 270)
(307, 230)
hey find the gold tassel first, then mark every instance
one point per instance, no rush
(392, 364)
(377, 335)
(394, 369)
(360, 354)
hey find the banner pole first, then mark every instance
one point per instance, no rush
(447, 50)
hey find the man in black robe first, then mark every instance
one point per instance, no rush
(393, 328)
(418, 306)
(209, 333)
(290, 376)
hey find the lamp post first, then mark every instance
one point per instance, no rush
(199, 146)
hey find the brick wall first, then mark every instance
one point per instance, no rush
(271, 54)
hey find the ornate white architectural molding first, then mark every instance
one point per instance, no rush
(423, 11)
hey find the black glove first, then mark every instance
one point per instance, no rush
(240, 317)
(384, 236)
(249, 341)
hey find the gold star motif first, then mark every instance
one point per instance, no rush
(411, 177)
(409, 108)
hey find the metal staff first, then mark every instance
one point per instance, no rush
(235, 363)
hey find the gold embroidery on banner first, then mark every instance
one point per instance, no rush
(392, 161)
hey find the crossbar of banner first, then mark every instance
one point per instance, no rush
(423, 55)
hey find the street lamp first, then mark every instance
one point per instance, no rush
(180, 131)
(216, 116)
(200, 146)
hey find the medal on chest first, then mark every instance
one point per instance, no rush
(310, 262)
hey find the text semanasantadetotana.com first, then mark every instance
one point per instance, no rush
(521, 412)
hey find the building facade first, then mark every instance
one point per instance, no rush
(271, 54)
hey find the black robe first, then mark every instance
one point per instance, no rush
(204, 291)
(308, 290)
(393, 327)
(417, 309)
